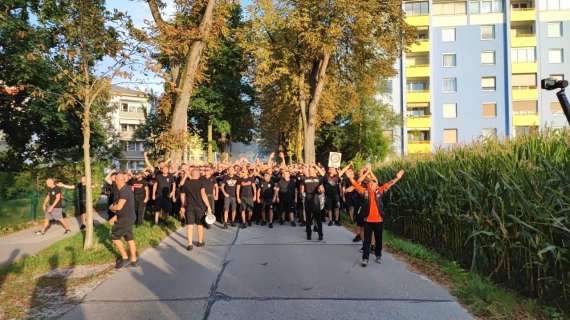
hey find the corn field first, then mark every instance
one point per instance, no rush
(499, 209)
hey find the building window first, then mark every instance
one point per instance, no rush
(488, 83)
(488, 32)
(489, 133)
(449, 60)
(524, 81)
(554, 4)
(556, 108)
(416, 8)
(485, 6)
(554, 29)
(526, 130)
(523, 55)
(557, 76)
(448, 34)
(422, 33)
(555, 55)
(488, 57)
(450, 136)
(418, 136)
(417, 85)
(449, 85)
(449, 8)
(125, 107)
(489, 110)
(124, 128)
(418, 109)
(525, 107)
(450, 110)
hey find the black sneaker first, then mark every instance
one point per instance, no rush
(271, 226)
(281, 222)
(134, 264)
(249, 223)
(330, 223)
(189, 247)
(121, 263)
(67, 231)
(233, 224)
(364, 263)
(337, 223)
(82, 227)
(263, 223)
(320, 237)
(357, 238)
(293, 224)
(257, 222)
(242, 226)
(225, 225)
(200, 244)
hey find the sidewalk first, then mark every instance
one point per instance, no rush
(25, 243)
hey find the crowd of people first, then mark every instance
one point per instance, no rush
(242, 194)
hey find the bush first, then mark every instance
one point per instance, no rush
(502, 210)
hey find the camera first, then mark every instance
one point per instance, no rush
(551, 84)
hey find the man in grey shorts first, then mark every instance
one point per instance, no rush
(53, 209)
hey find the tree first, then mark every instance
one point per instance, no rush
(181, 43)
(319, 54)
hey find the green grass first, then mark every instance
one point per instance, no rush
(19, 281)
(480, 296)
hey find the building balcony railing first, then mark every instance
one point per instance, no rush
(526, 120)
(419, 46)
(418, 70)
(523, 40)
(419, 147)
(525, 67)
(132, 115)
(419, 122)
(526, 14)
(418, 96)
(525, 93)
(418, 21)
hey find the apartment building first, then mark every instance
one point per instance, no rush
(475, 71)
(130, 108)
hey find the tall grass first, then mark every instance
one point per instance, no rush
(500, 209)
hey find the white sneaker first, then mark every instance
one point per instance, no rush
(364, 263)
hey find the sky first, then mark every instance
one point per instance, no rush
(138, 10)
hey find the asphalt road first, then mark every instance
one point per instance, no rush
(261, 273)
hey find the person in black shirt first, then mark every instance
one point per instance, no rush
(194, 205)
(267, 196)
(53, 207)
(229, 188)
(123, 221)
(331, 182)
(312, 187)
(286, 197)
(161, 194)
(246, 191)
(80, 196)
(211, 187)
(111, 191)
(141, 192)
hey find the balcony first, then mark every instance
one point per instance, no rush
(526, 40)
(526, 67)
(420, 46)
(415, 147)
(132, 115)
(525, 94)
(418, 96)
(418, 122)
(525, 120)
(418, 71)
(418, 21)
(527, 14)
(126, 135)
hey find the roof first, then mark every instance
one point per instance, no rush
(117, 90)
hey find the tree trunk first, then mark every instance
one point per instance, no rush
(88, 244)
(317, 83)
(299, 141)
(210, 141)
(188, 77)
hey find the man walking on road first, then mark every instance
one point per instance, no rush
(123, 221)
(372, 210)
(194, 204)
(53, 208)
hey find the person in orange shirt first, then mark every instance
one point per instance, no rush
(372, 209)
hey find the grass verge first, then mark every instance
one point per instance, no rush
(480, 296)
(22, 283)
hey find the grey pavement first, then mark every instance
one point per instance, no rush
(262, 273)
(23, 243)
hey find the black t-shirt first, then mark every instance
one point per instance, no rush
(208, 184)
(52, 193)
(287, 188)
(164, 183)
(246, 187)
(81, 190)
(192, 189)
(332, 186)
(127, 213)
(230, 185)
(311, 185)
(266, 190)
(138, 188)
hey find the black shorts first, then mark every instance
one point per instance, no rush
(358, 217)
(332, 202)
(246, 204)
(163, 204)
(230, 202)
(286, 205)
(81, 208)
(267, 205)
(122, 229)
(195, 215)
